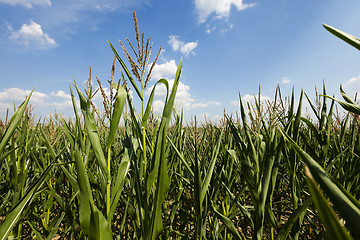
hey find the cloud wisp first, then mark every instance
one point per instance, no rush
(352, 86)
(221, 8)
(285, 80)
(184, 48)
(64, 17)
(33, 35)
(27, 3)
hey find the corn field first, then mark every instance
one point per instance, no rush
(268, 173)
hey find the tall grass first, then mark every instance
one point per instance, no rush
(155, 177)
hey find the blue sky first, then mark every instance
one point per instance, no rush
(228, 46)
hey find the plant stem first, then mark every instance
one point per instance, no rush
(143, 130)
(108, 184)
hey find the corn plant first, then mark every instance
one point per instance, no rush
(270, 173)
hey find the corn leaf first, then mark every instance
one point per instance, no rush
(14, 123)
(86, 201)
(93, 133)
(209, 172)
(350, 39)
(150, 101)
(285, 229)
(228, 223)
(118, 109)
(14, 215)
(334, 229)
(160, 164)
(100, 228)
(347, 206)
(122, 172)
(126, 71)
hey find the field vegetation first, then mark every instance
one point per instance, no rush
(268, 173)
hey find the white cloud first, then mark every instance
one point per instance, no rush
(206, 117)
(61, 94)
(215, 103)
(226, 29)
(285, 80)
(184, 48)
(210, 29)
(221, 8)
(43, 104)
(4, 107)
(11, 95)
(69, 13)
(68, 16)
(188, 48)
(27, 3)
(205, 104)
(158, 106)
(63, 105)
(200, 105)
(183, 97)
(352, 86)
(165, 70)
(250, 98)
(32, 34)
(352, 81)
(235, 103)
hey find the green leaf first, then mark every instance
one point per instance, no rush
(350, 39)
(92, 132)
(345, 96)
(35, 231)
(285, 229)
(118, 109)
(354, 108)
(347, 205)
(14, 215)
(55, 228)
(78, 125)
(209, 172)
(334, 229)
(181, 156)
(85, 197)
(49, 148)
(122, 172)
(228, 223)
(160, 165)
(14, 122)
(127, 72)
(100, 228)
(150, 101)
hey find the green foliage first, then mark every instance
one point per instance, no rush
(141, 176)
